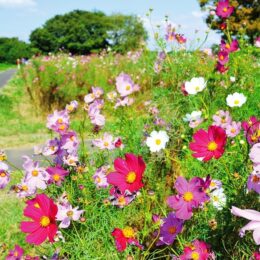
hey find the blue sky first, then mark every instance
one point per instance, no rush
(20, 17)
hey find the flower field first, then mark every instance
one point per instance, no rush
(150, 155)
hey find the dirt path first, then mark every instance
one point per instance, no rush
(6, 76)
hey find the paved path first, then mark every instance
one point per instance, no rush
(6, 75)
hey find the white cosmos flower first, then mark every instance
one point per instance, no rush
(195, 85)
(236, 100)
(218, 198)
(157, 140)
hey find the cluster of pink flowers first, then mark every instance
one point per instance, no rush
(94, 106)
(171, 35)
(107, 141)
(224, 120)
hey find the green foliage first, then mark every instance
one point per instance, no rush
(12, 49)
(244, 21)
(82, 32)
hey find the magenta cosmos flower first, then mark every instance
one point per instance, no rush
(170, 228)
(128, 173)
(221, 68)
(190, 195)
(223, 57)
(57, 174)
(224, 10)
(254, 224)
(42, 211)
(209, 144)
(198, 250)
(15, 254)
(232, 47)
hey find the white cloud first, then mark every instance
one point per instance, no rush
(17, 3)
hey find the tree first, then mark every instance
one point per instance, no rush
(12, 49)
(82, 32)
(244, 21)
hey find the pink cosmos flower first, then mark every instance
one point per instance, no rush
(4, 175)
(170, 33)
(66, 213)
(224, 10)
(257, 44)
(70, 143)
(15, 254)
(247, 124)
(232, 47)
(126, 101)
(223, 26)
(180, 38)
(209, 144)
(51, 147)
(58, 121)
(223, 57)
(254, 154)
(100, 177)
(71, 160)
(253, 181)
(124, 85)
(36, 177)
(254, 224)
(118, 143)
(24, 190)
(222, 119)
(123, 237)
(198, 250)
(128, 173)
(233, 129)
(190, 195)
(105, 142)
(42, 211)
(72, 106)
(97, 91)
(89, 98)
(57, 174)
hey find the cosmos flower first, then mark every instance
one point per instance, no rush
(121, 199)
(194, 118)
(126, 101)
(170, 33)
(218, 198)
(222, 119)
(105, 142)
(66, 213)
(195, 86)
(100, 177)
(254, 154)
(232, 47)
(24, 190)
(51, 147)
(58, 121)
(42, 211)
(224, 10)
(170, 228)
(236, 99)
(157, 140)
(180, 38)
(190, 195)
(221, 68)
(254, 224)
(124, 237)
(57, 174)
(4, 175)
(71, 160)
(223, 57)
(247, 124)
(209, 144)
(128, 173)
(233, 129)
(111, 96)
(124, 85)
(257, 42)
(198, 250)
(15, 254)
(253, 181)
(72, 106)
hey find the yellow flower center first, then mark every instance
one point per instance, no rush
(35, 173)
(224, 9)
(212, 184)
(2, 174)
(62, 127)
(71, 161)
(127, 87)
(215, 198)
(56, 177)
(106, 144)
(227, 46)
(121, 200)
(172, 230)
(158, 141)
(60, 121)
(221, 57)
(233, 130)
(212, 146)
(188, 196)
(25, 188)
(236, 102)
(70, 213)
(98, 179)
(45, 221)
(3, 157)
(131, 177)
(128, 232)
(36, 205)
(195, 256)
(70, 107)
(16, 254)
(255, 179)
(197, 88)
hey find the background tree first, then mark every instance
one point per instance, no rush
(244, 21)
(11, 49)
(82, 32)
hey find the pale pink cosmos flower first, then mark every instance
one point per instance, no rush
(4, 175)
(255, 154)
(72, 106)
(51, 147)
(233, 129)
(124, 102)
(105, 142)
(111, 96)
(222, 119)
(97, 91)
(89, 98)
(71, 160)
(254, 224)
(124, 85)
(24, 190)
(36, 176)
(100, 177)
(66, 213)
(58, 121)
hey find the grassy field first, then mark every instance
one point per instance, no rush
(37, 91)
(4, 66)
